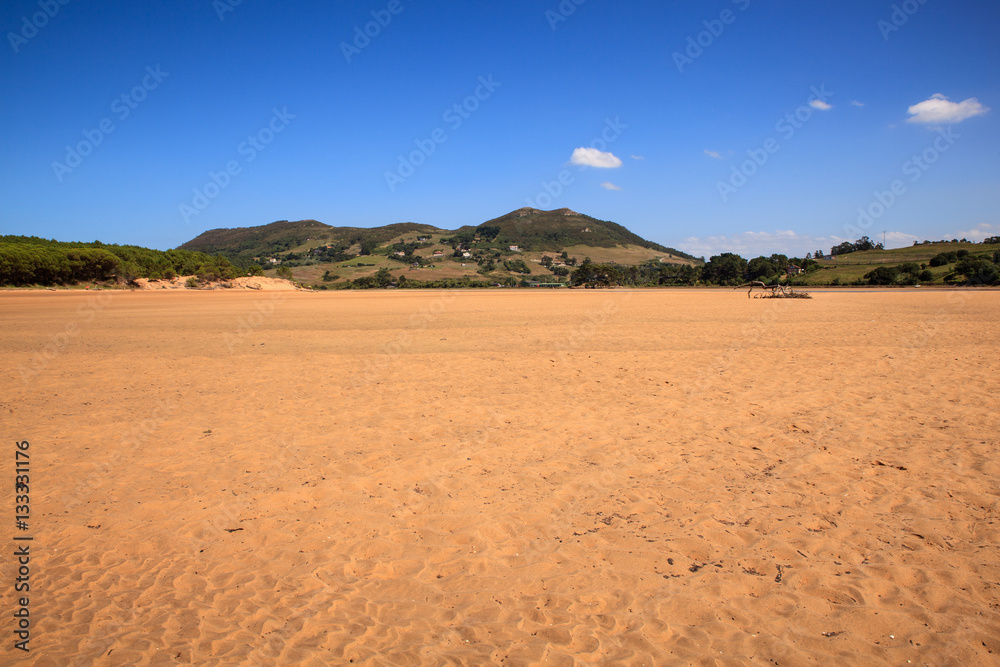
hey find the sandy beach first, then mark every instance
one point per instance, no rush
(505, 477)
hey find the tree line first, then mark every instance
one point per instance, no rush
(725, 269)
(29, 260)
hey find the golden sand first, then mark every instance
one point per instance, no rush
(505, 477)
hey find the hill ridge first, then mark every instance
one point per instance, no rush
(527, 228)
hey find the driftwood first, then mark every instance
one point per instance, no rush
(772, 291)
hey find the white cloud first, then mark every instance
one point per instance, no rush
(821, 105)
(939, 110)
(754, 244)
(785, 242)
(857, 104)
(713, 154)
(980, 232)
(591, 157)
(607, 185)
(638, 157)
(895, 239)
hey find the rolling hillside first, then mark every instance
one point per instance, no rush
(245, 243)
(316, 252)
(529, 229)
(850, 268)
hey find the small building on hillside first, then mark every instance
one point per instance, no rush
(515, 248)
(794, 270)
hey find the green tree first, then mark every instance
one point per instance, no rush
(883, 275)
(725, 269)
(761, 268)
(284, 272)
(382, 277)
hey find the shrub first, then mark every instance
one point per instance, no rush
(191, 283)
(940, 259)
(883, 275)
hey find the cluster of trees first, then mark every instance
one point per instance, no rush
(847, 247)
(731, 269)
(724, 269)
(647, 274)
(945, 258)
(979, 269)
(909, 273)
(29, 260)
(517, 266)
(383, 279)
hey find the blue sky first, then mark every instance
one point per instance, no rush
(710, 126)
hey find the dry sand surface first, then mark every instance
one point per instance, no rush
(250, 282)
(505, 477)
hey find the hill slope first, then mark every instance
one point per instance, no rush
(851, 268)
(283, 236)
(532, 229)
(529, 229)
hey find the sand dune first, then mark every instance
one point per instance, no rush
(507, 477)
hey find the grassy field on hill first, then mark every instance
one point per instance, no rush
(850, 268)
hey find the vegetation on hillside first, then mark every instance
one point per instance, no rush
(29, 260)
(528, 229)
(484, 256)
(243, 244)
(532, 229)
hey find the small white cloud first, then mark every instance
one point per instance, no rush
(713, 154)
(591, 157)
(638, 157)
(939, 110)
(857, 104)
(607, 185)
(977, 235)
(784, 241)
(821, 105)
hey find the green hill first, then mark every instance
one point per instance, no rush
(529, 229)
(939, 259)
(246, 243)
